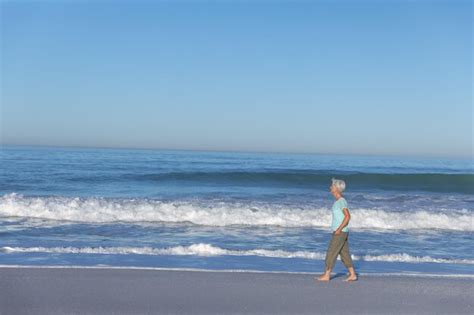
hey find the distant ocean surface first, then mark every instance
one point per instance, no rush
(232, 211)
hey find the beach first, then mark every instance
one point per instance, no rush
(125, 231)
(33, 290)
(217, 157)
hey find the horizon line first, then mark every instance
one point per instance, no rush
(244, 151)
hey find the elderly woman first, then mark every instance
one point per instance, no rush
(339, 244)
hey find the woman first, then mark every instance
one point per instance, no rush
(339, 244)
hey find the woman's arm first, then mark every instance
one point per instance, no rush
(347, 217)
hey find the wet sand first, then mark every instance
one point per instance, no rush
(136, 291)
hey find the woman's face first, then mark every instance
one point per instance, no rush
(333, 189)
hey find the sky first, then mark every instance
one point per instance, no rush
(341, 77)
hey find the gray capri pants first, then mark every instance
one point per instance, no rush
(339, 245)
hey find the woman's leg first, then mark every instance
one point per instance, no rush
(345, 255)
(347, 260)
(334, 248)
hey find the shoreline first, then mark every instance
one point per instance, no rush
(118, 290)
(363, 274)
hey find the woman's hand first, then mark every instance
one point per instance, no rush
(347, 217)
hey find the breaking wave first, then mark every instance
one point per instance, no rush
(102, 210)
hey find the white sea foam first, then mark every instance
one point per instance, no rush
(208, 250)
(101, 210)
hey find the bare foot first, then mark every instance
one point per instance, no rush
(324, 277)
(351, 278)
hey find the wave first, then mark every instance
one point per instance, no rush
(435, 182)
(208, 250)
(102, 210)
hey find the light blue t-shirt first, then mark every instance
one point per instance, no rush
(338, 214)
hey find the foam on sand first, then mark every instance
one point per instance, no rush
(208, 250)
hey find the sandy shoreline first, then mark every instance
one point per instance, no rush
(138, 291)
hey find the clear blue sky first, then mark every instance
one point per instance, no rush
(363, 77)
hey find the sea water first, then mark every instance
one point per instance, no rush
(232, 211)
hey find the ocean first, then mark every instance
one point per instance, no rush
(232, 210)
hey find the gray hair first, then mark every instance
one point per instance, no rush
(339, 184)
